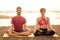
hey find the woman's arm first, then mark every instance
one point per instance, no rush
(49, 26)
(37, 25)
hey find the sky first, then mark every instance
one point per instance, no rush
(30, 5)
(33, 5)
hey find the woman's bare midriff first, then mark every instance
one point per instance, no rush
(43, 26)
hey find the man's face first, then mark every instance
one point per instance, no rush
(18, 10)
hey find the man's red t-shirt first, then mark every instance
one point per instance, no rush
(18, 22)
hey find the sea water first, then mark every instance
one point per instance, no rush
(30, 18)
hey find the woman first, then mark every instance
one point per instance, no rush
(43, 25)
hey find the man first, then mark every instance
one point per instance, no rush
(18, 25)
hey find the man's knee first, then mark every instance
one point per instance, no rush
(28, 32)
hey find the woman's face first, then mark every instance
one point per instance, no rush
(42, 12)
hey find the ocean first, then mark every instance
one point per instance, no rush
(30, 17)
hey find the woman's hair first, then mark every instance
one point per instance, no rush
(42, 9)
(18, 8)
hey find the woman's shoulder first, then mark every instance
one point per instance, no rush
(38, 17)
(47, 18)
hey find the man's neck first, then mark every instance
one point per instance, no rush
(18, 15)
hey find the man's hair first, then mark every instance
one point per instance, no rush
(18, 8)
(42, 9)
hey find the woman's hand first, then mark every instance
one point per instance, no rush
(52, 29)
(40, 30)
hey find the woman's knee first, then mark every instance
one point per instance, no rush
(38, 33)
(51, 32)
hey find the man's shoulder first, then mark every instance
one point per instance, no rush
(13, 17)
(22, 17)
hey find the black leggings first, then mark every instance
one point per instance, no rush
(44, 32)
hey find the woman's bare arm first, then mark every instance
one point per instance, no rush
(49, 26)
(37, 25)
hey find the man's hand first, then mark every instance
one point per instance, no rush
(6, 30)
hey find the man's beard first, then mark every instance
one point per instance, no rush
(18, 13)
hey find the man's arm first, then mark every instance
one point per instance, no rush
(12, 25)
(26, 27)
(11, 29)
